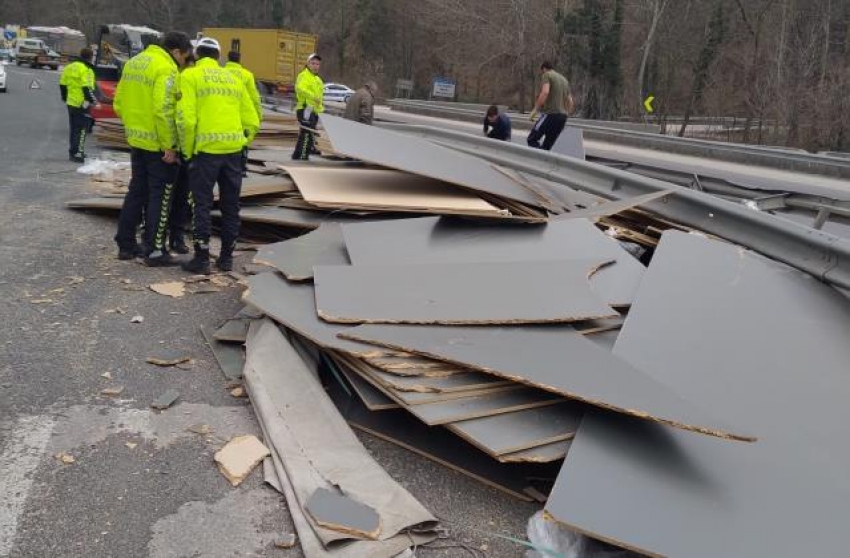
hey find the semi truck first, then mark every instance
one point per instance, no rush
(67, 42)
(274, 56)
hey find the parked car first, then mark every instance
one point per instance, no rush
(337, 92)
(7, 54)
(2, 79)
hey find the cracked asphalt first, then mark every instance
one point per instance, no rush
(141, 484)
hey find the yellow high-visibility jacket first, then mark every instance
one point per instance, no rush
(310, 91)
(250, 85)
(214, 114)
(145, 100)
(77, 77)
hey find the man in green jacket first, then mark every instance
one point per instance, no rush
(309, 104)
(145, 101)
(215, 121)
(76, 86)
(242, 73)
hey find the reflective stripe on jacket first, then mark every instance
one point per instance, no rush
(76, 77)
(250, 85)
(145, 100)
(214, 114)
(309, 91)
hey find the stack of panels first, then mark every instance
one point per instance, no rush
(503, 357)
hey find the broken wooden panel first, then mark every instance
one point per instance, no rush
(411, 365)
(570, 143)
(604, 339)
(410, 398)
(313, 442)
(386, 190)
(294, 305)
(230, 357)
(521, 430)
(239, 457)
(372, 397)
(448, 240)
(556, 359)
(474, 406)
(439, 445)
(265, 186)
(465, 381)
(311, 545)
(332, 510)
(480, 293)
(419, 156)
(295, 258)
(766, 346)
(233, 331)
(613, 207)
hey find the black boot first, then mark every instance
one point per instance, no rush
(225, 260)
(160, 258)
(177, 245)
(200, 263)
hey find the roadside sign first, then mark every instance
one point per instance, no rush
(35, 84)
(647, 104)
(443, 87)
(10, 35)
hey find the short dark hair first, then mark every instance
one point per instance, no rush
(206, 52)
(493, 110)
(546, 65)
(178, 40)
(234, 56)
(86, 53)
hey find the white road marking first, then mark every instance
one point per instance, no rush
(23, 448)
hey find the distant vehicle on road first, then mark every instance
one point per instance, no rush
(35, 53)
(2, 79)
(337, 92)
(7, 54)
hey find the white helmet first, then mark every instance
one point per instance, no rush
(207, 42)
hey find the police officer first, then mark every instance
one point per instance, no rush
(309, 93)
(215, 120)
(145, 101)
(77, 88)
(247, 78)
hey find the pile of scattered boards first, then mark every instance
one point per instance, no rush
(693, 408)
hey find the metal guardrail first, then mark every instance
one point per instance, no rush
(792, 160)
(820, 254)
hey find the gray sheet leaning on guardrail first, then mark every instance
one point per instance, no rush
(823, 255)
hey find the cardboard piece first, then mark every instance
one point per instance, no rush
(386, 190)
(239, 457)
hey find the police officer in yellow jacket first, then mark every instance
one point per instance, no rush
(145, 101)
(215, 120)
(242, 73)
(77, 88)
(309, 93)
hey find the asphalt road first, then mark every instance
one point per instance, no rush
(141, 483)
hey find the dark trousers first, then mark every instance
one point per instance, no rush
(181, 213)
(205, 171)
(306, 141)
(151, 188)
(78, 121)
(548, 127)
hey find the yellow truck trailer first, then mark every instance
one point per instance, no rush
(275, 56)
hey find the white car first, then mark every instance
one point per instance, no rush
(337, 92)
(2, 78)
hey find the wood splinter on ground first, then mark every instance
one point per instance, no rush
(174, 289)
(65, 458)
(332, 510)
(113, 391)
(170, 358)
(239, 457)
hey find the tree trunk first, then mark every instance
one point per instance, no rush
(658, 10)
